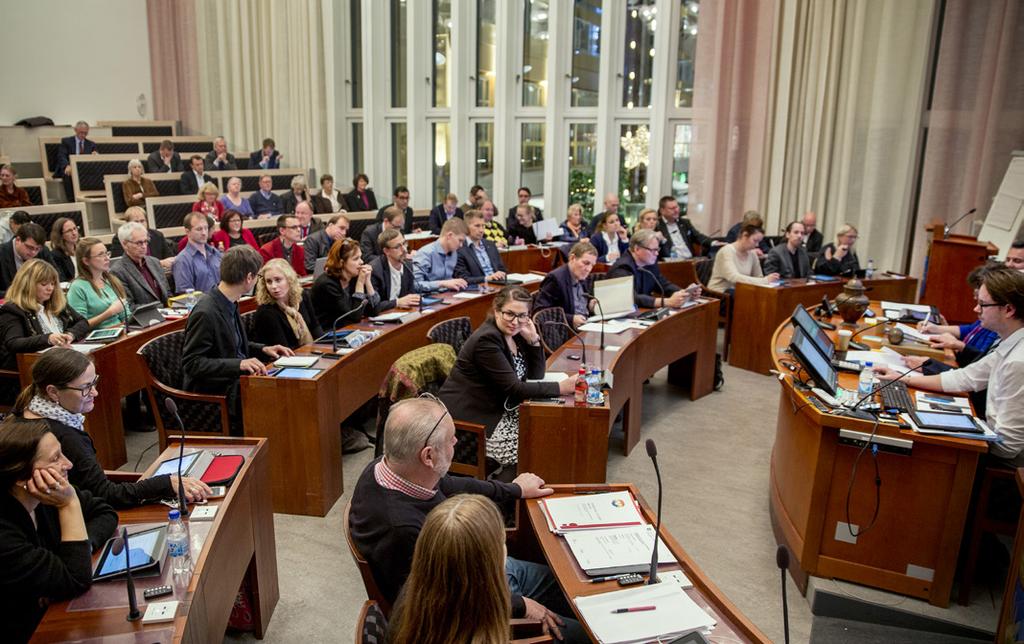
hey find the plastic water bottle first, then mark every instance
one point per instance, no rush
(190, 298)
(866, 384)
(178, 545)
(582, 387)
(869, 272)
(594, 387)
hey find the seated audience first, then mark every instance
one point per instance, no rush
(233, 199)
(9, 224)
(444, 211)
(231, 233)
(140, 273)
(489, 379)
(36, 315)
(493, 230)
(523, 195)
(568, 285)
(208, 202)
(63, 390)
(520, 226)
(70, 145)
(11, 196)
(137, 188)
(29, 241)
(393, 219)
(158, 245)
(48, 529)
(344, 286)
(611, 205)
(400, 200)
(392, 274)
(298, 194)
(478, 261)
(395, 494)
(640, 262)
(265, 203)
(329, 199)
(197, 266)
(268, 157)
(217, 351)
(434, 264)
(680, 233)
(96, 294)
(319, 243)
(63, 241)
(164, 159)
(750, 217)
(648, 219)
(219, 158)
(812, 236)
(573, 228)
(738, 262)
(1015, 255)
(285, 313)
(286, 245)
(610, 239)
(477, 196)
(308, 224)
(360, 198)
(839, 258)
(195, 177)
(790, 260)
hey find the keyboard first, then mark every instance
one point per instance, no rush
(896, 396)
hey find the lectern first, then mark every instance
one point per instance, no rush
(949, 261)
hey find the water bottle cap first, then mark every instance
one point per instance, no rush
(174, 515)
(868, 364)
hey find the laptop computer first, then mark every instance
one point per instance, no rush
(146, 315)
(616, 298)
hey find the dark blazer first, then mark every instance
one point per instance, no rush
(265, 206)
(537, 214)
(65, 264)
(270, 325)
(39, 568)
(188, 183)
(813, 242)
(646, 281)
(484, 383)
(556, 290)
(407, 227)
(437, 218)
(272, 164)
(779, 260)
(324, 205)
(155, 163)
(158, 246)
(330, 301)
(467, 266)
(602, 247)
(354, 203)
(66, 149)
(210, 162)
(20, 332)
(139, 290)
(8, 267)
(368, 242)
(515, 229)
(289, 201)
(846, 267)
(690, 234)
(380, 277)
(315, 246)
(571, 237)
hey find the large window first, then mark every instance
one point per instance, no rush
(356, 53)
(442, 52)
(681, 164)
(582, 162)
(641, 17)
(399, 153)
(687, 54)
(485, 157)
(531, 172)
(357, 146)
(399, 34)
(442, 161)
(535, 53)
(586, 52)
(633, 159)
(486, 52)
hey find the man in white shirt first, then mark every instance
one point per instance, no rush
(1000, 308)
(679, 231)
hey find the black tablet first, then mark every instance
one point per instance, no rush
(146, 549)
(946, 421)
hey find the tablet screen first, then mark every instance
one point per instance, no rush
(170, 466)
(297, 372)
(145, 551)
(104, 334)
(947, 421)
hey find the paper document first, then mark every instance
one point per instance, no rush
(545, 227)
(674, 614)
(467, 296)
(551, 376)
(85, 348)
(610, 328)
(912, 333)
(885, 356)
(616, 551)
(901, 306)
(296, 361)
(591, 512)
(525, 278)
(926, 401)
(389, 317)
(425, 234)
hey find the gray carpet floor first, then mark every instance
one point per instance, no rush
(714, 456)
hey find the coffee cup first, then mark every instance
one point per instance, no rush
(843, 341)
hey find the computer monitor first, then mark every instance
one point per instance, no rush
(802, 320)
(817, 366)
(615, 296)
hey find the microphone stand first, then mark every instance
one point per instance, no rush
(782, 561)
(334, 326)
(657, 314)
(574, 332)
(124, 308)
(949, 227)
(600, 310)
(172, 407)
(652, 451)
(133, 604)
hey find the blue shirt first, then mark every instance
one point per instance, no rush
(431, 265)
(481, 256)
(193, 270)
(980, 340)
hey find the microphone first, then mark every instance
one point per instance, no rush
(782, 561)
(334, 326)
(949, 227)
(575, 333)
(121, 543)
(124, 308)
(657, 283)
(600, 310)
(172, 407)
(652, 451)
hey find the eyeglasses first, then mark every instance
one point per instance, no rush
(397, 246)
(105, 253)
(137, 243)
(982, 305)
(509, 316)
(85, 389)
(653, 250)
(429, 396)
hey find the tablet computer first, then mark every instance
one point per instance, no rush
(104, 335)
(193, 464)
(146, 549)
(946, 421)
(296, 372)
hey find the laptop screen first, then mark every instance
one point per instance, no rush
(818, 367)
(615, 295)
(802, 319)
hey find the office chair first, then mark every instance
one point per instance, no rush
(453, 332)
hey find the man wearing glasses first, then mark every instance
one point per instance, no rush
(140, 273)
(28, 242)
(286, 245)
(394, 219)
(391, 273)
(395, 493)
(641, 263)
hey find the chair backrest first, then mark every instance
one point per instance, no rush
(553, 328)
(162, 355)
(703, 269)
(249, 323)
(372, 590)
(453, 332)
(422, 370)
(372, 627)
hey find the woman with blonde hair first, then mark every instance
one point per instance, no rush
(97, 294)
(285, 313)
(573, 229)
(462, 541)
(137, 188)
(648, 220)
(208, 201)
(839, 258)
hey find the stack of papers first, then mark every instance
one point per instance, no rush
(674, 614)
(395, 316)
(467, 295)
(912, 333)
(617, 551)
(884, 356)
(525, 278)
(545, 227)
(611, 327)
(591, 512)
(925, 402)
(296, 361)
(425, 234)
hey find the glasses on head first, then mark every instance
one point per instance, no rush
(429, 396)
(509, 316)
(85, 389)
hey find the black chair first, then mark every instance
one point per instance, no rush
(453, 332)
(553, 328)
(249, 323)
(372, 625)
(703, 268)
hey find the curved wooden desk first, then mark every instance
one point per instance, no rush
(912, 547)
(238, 544)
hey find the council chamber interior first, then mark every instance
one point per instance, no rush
(809, 185)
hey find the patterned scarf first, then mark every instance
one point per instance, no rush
(48, 409)
(298, 324)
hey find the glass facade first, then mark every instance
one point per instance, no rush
(687, 54)
(641, 20)
(486, 52)
(399, 155)
(484, 167)
(442, 161)
(442, 39)
(681, 163)
(582, 164)
(357, 146)
(632, 175)
(531, 169)
(356, 53)
(535, 53)
(399, 29)
(586, 52)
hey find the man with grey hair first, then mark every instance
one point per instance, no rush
(140, 272)
(395, 493)
(219, 158)
(641, 263)
(69, 145)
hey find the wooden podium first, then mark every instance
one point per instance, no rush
(949, 261)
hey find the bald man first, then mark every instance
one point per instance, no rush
(611, 205)
(812, 236)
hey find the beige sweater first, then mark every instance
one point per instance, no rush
(731, 268)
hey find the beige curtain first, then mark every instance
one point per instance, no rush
(263, 76)
(976, 116)
(174, 64)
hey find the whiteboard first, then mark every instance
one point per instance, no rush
(1005, 216)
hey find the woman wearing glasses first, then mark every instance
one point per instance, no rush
(63, 241)
(839, 258)
(63, 390)
(97, 294)
(489, 379)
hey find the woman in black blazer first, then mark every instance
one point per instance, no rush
(361, 198)
(36, 315)
(48, 529)
(63, 241)
(343, 286)
(285, 314)
(489, 379)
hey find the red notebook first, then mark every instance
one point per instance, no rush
(223, 469)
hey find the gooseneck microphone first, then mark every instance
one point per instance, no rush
(652, 451)
(657, 283)
(124, 309)
(949, 227)
(601, 311)
(172, 408)
(121, 544)
(782, 561)
(334, 326)
(573, 331)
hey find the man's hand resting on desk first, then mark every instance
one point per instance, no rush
(532, 486)
(408, 301)
(456, 284)
(253, 367)
(496, 275)
(945, 341)
(195, 490)
(549, 621)
(578, 321)
(278, 351)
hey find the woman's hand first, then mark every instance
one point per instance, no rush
(115, 308)
(60, 339)
(195, 490)
(529, 332)
(841, 251)
(50, 487)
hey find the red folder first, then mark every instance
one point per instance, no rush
(223, 469)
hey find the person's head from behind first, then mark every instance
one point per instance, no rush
(36, 284)
(344, 260)
(1000, 305)
(29, 240)
(26, 446)
(197, 228)
(278, 284)
(392, 245)
(239, 266)
(419, 439)
(511, 309)
(750, 237)
(63, 377)
(582, 258)
(462, 538)
(136, 214)
(1015, 256)
(453, 235)
(794, 234)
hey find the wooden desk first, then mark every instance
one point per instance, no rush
(531, 258)
(758, 310)
(239, 544)
(912, 547)
(731, 625)
(568, 444)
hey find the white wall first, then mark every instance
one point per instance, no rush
(75, 61)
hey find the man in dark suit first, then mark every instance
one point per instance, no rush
(28, 242)
(401, 201)
(368, 243)
(319, 243)
(813, 238)
(77, 144)
(641, 263)
(611, 206)
(391, 273)
(165, 159)
(566, 286)
(157, 247)
(444, 211)
(679, 232)
(267, 157)
(523, 195)
(307, 223)
(219, 158)
(141, 274)
(217, 351)
(479, 260)
(789, 259)
(194, 178)
(265, 203)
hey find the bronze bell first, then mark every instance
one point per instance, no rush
(895, 335)
(852, 302)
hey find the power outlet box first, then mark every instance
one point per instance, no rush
(159, 612)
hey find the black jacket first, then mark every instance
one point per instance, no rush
(8, 267)
(437, 218)
(270, 325)
(537, 214)
(380, 277)
(213, 352)
(354, 203)
(690, 234)
(484, 383)
(646, 280)
(65, 264)
(20, 332)
(515, 229)
(556, 290)
(188, 184)
(847, 266)
(37, 567)
(330, 301)
(407, 226)
(289, 201)
(368, 242)
(813, 242)
(158, 246)
(155, 163)
(467, 266)
(779, 260)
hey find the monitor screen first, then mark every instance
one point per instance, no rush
(615, 295)
(818, 366)
(170, 466)
(801, 318)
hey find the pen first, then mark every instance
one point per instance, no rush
(633, 609)
(597, 580)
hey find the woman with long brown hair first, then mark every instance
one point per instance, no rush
(97, 294)
(344, 285)
(63, 241)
